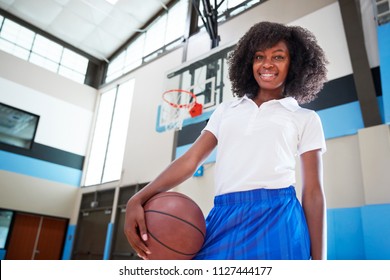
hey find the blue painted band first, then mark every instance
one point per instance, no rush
(2, 254)
(359, 233)
(182, 149)
(40, 169)
(70, 235)
(107, 246)
(384, 58)
(341, 120)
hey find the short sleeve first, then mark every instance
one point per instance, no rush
(215, 120)
(312, 137)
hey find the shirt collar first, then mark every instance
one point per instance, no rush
(238, 101)
(288, 102)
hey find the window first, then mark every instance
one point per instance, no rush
(73, 66)
(26, 44)
(165, 33)
(16, 39)
(127, 60)
(160, 36)
(229, 8)
(109, 138)
(46, 53)
(383, 11)
(176, 20)
(5, 224)
(134, 54)
(155, 35)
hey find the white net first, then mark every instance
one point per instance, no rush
(174, 109)
(171, 118)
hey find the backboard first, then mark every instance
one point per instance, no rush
(207, 78)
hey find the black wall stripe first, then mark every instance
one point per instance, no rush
(49, 154)
(336, 92)
(188, 134)
(341, 91)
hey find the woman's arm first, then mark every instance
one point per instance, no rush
(177, 172)
(313, 202)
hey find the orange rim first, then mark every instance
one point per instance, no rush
(180, 106)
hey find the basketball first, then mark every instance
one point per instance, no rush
(176, 226)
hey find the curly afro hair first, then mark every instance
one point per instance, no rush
(307, 70)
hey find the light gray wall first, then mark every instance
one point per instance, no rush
(66, 111)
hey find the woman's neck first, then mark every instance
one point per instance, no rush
(264, 96)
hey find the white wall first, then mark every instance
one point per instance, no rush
(147, 151)
(33, 195)
(66, 111)
(65, 107)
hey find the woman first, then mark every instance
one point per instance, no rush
(256, 214)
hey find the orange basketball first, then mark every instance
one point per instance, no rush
(176, 226)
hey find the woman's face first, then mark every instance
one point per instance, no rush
(270, 67)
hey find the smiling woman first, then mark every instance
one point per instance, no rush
(256, 213)
(307, 67)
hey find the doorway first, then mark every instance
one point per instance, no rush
(94, 218)
(36, 237)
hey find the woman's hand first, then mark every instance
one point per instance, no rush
(135, 227)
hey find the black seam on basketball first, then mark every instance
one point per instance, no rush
(176, 251)
(173, 216)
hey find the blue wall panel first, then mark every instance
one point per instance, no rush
(2, 254)
(376, 227)
(182, 149)
(360, 233)
(70, 235)
(341, 120)
(39, 168)
(109, 237)
(345, 234)
(384, 58)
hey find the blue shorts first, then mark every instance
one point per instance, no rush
(261, 224)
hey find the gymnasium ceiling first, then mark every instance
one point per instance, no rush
(93, 26)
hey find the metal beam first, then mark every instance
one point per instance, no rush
(350, 12)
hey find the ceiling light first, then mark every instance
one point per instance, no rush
(112, 2)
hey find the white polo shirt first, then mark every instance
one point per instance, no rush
(258, 146)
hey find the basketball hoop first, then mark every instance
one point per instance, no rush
(184, 103)
(178, 104)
